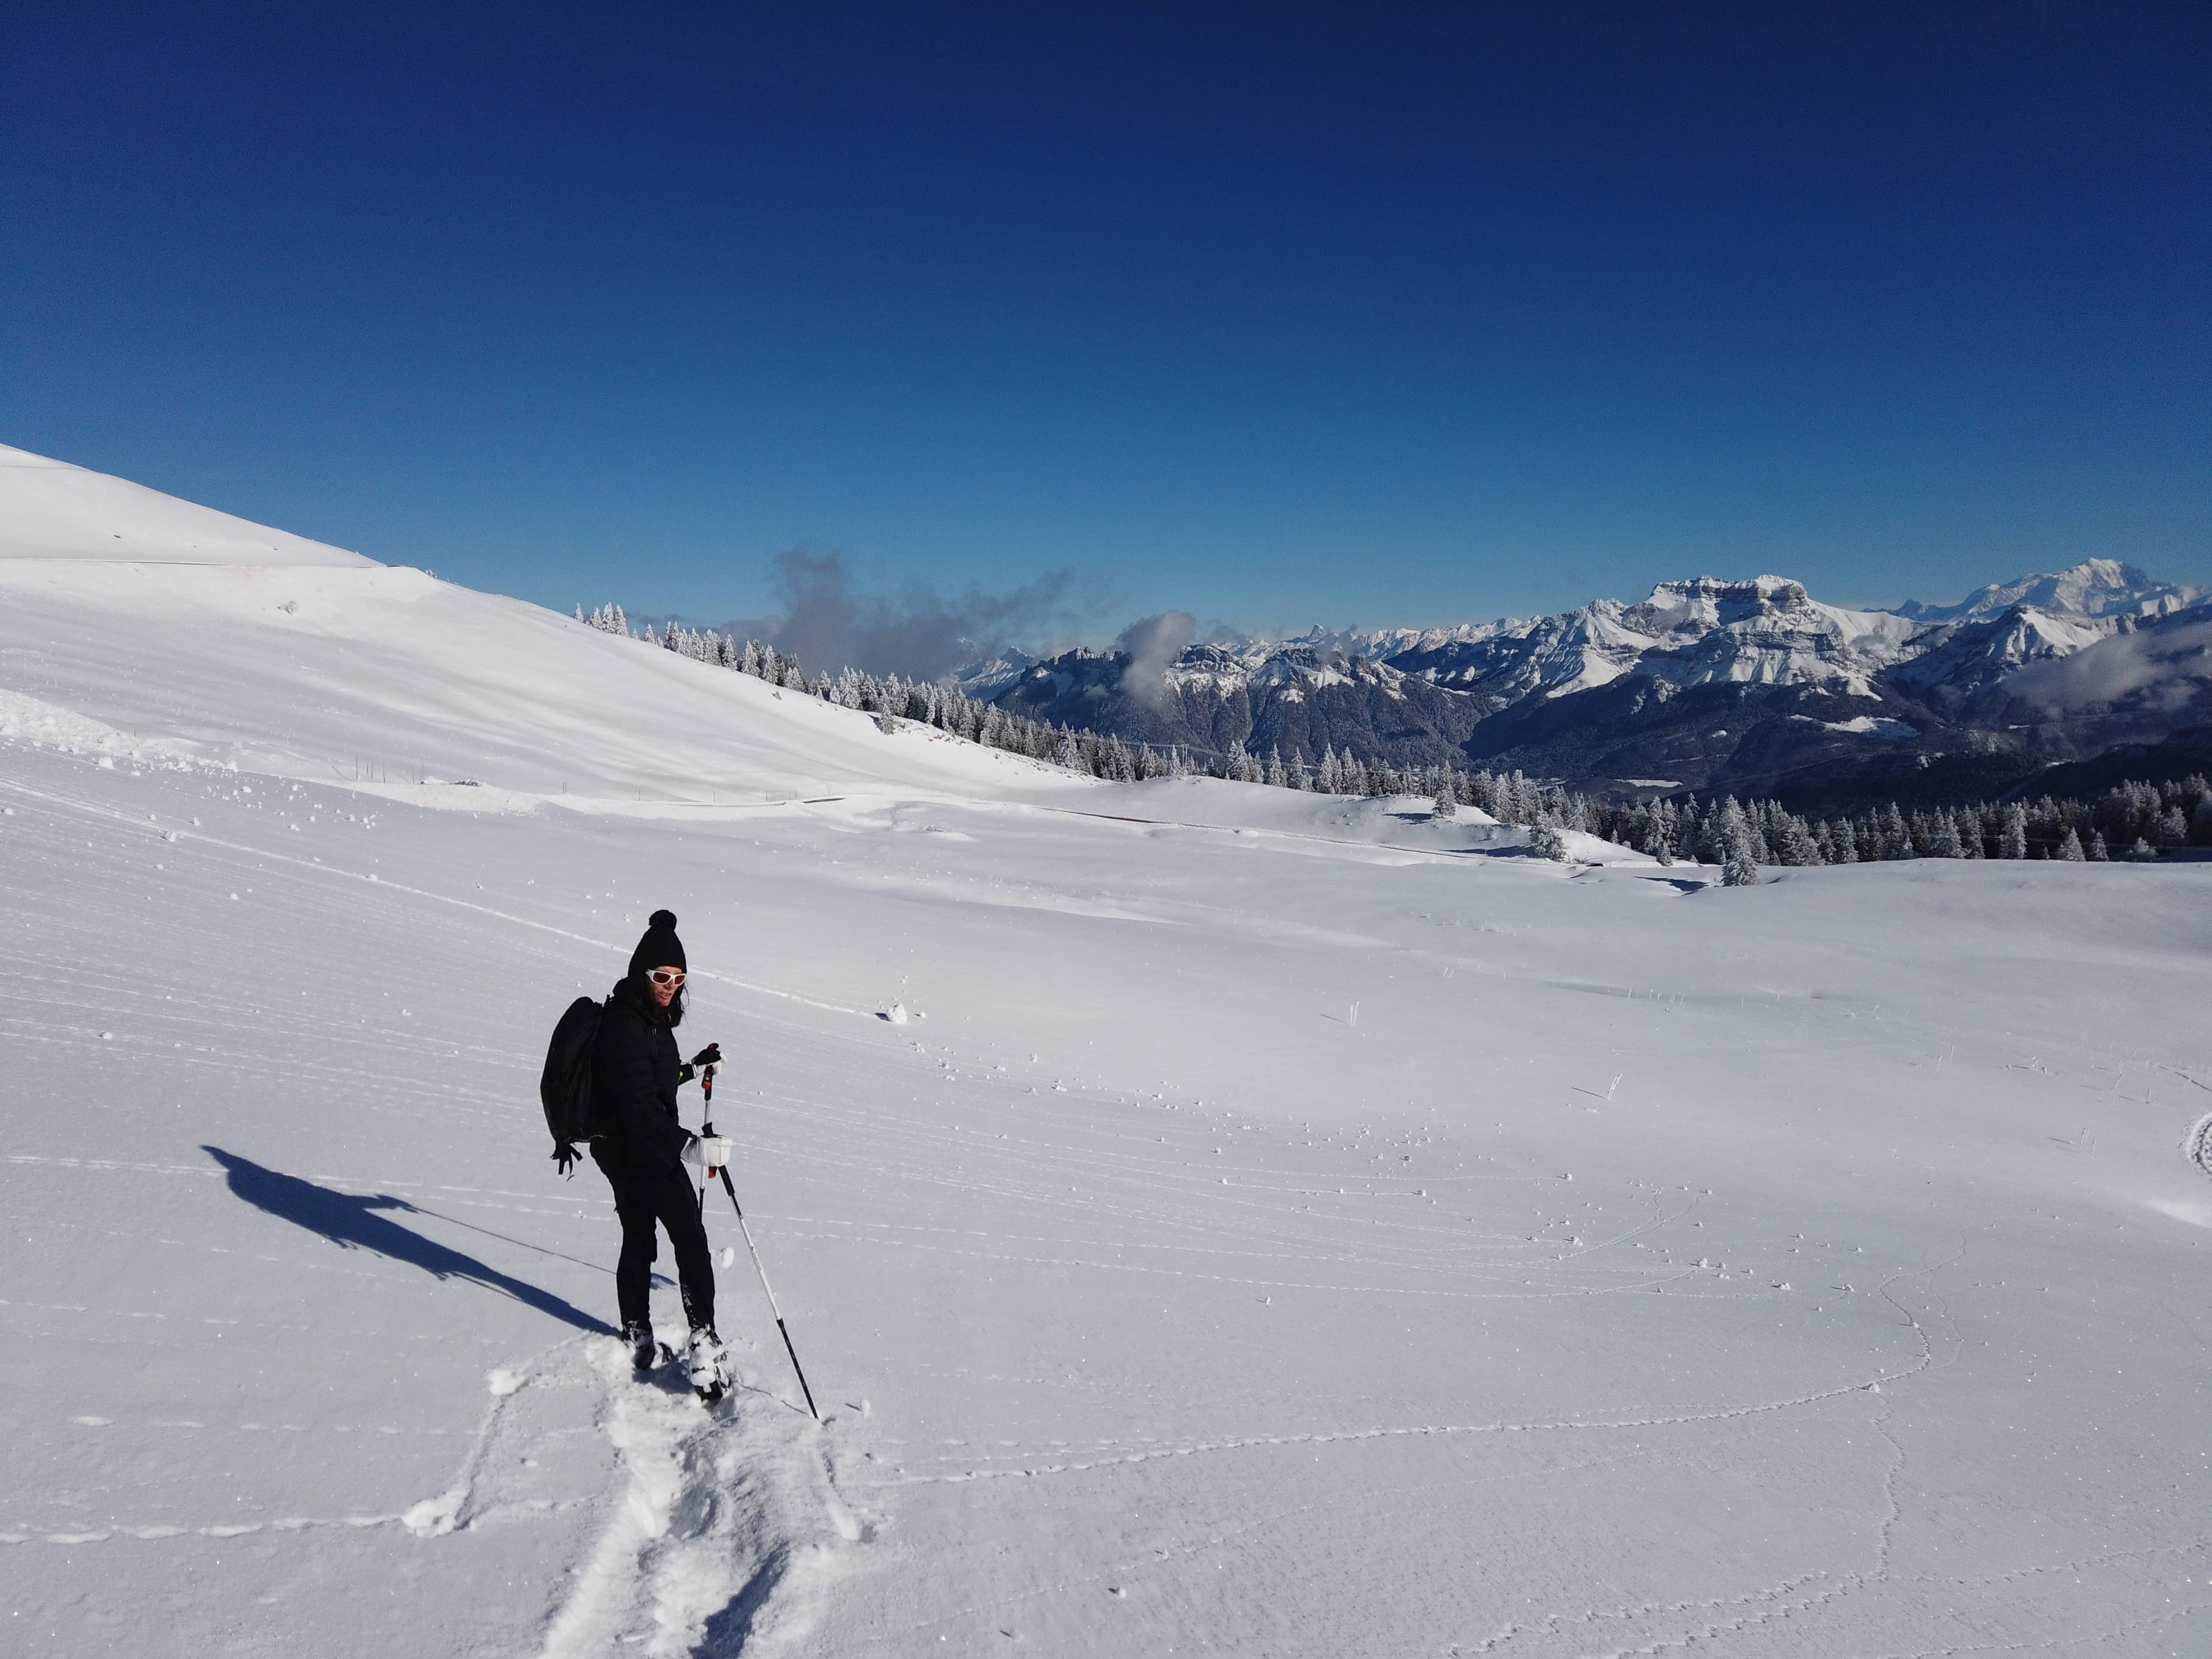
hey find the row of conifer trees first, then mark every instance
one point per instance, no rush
(2137, 821)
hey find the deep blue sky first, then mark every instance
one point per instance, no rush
(1279, 313)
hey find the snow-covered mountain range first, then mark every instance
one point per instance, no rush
(1597, 693)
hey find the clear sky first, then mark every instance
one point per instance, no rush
(1279, 313)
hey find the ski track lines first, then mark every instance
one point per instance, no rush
(186, 839)
(1923, 1361)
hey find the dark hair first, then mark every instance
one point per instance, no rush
(672, 1015)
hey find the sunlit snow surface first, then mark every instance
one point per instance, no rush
(1284, 1227)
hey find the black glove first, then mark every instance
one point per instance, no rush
(709, 1055)
(565, 1159)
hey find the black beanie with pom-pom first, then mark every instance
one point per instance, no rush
(659, 948)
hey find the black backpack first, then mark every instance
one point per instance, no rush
(564, 1088)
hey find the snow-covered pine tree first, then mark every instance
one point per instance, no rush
(1446, 807)
(2069, 849)
(1797, 845)
(1545, 841)
(1896, 837)
(1739, 868)
(2012, 843)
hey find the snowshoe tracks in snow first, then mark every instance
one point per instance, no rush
(725, 1530)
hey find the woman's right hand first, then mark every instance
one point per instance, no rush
(709, 1153)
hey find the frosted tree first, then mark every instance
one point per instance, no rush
(1969, 832)
(2013, 843)
(1447, 804)
(2097, 851)
(1330, 780)
(2070, 849)
(1546, 841)
(1726, 835)
(1896, 838)
(1797, 843)
(1943, 838)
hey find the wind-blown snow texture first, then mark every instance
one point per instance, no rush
(1286, 1226)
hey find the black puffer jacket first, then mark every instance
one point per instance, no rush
(634, 1070)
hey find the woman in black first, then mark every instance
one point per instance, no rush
(641, 1149)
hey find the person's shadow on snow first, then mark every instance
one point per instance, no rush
(351, 1223)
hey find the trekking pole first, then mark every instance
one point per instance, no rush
(705, 1082)
(783, 1330)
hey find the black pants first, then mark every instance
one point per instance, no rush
(645, 1195)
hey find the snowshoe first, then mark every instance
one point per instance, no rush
(707, 1366)
(644, 1352)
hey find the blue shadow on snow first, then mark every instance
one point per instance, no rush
(350, 1221)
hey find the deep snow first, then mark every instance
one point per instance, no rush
(1286, 1226)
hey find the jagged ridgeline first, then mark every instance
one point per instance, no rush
(2132, 819)
(1750, 688)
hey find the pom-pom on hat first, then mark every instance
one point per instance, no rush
(659, 947)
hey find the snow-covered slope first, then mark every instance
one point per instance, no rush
(345, 669)
(51, 510)
(1959, 659)
(2095, 587)
(1284, 1225)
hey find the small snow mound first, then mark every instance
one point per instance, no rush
(504, 1382)
(896, 1014)
(2196, 1145)
(434, 1517)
